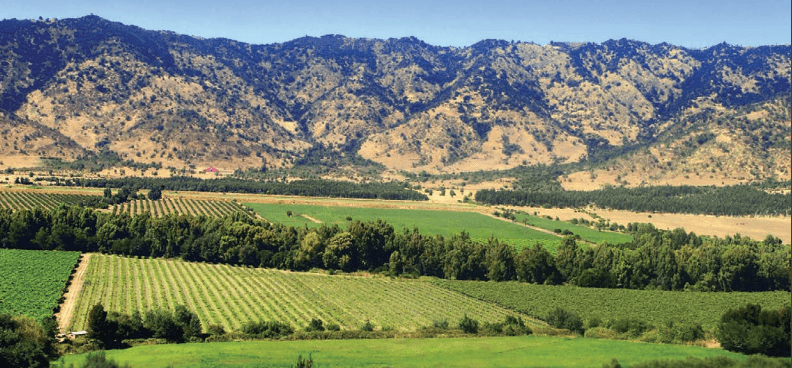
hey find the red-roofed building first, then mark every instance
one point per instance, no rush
(211, 170)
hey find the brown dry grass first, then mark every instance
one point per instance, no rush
(754, 227)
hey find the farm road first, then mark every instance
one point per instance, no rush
(66, 311)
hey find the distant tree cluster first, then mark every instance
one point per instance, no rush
(656, 259)
(315, 188)
(737, 200)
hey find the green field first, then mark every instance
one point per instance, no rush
(32, 280)
(230, 296)
(585, 233)
(530, 351)
(446, 223)
(655, 307)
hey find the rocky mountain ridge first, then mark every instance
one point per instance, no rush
(92, 85)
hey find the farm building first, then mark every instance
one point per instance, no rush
(211, 170)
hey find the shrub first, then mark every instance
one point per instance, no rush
(468, 325)
(681, 331)
(333, 327)
(267, 329)
(215, 330)
(632, 327)
(594, 322)
(304, 363)
(315, 325)
(367, 327)
(441, 324)
(496, 327)
(561, 318)
(750, 330)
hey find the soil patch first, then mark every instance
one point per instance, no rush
(311, 218)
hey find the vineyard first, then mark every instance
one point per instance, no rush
(32, 281)
(166, 206)
(446, 223)
(655, 307)
(230, 296)
(18, 200)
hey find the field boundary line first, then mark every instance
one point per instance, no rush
(66, 311)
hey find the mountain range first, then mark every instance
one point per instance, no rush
(75, 87)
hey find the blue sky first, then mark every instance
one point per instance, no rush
(689, 23)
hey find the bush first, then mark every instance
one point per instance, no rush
(304, 363)
(750, 330)
(631, 327)
(681, 331)
(594, 322)
(367, 327)
(496, 327)
(561, 318)
(441, 324)
(333, 327)
(468, 325)
(267, 329)
(315, 325)
(23, 343)
(215, 330)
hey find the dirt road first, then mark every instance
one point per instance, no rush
(66, 312)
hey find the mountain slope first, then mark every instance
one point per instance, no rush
(162, 97)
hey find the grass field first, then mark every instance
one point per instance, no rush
(655, 307)
(530, 351)
(230, 296)
(446, 223)
(585, 233)
(32, 280)
(166, 206)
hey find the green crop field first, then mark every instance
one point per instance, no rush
(17, 200)
(655, 307)
(231, 296)
(528, 351)
(446, 223)
(585, 233)
(166, 206)
(33, 280)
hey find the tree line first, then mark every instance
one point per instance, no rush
(656, 259)
(313, 188)
(736, 200)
